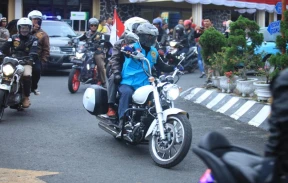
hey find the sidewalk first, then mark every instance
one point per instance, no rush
(242, 109)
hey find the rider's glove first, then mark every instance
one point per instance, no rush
(117, 78)
(128, 49)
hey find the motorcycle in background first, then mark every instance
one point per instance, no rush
(190, 63)
(229, 163)
(151, 116)
(84, 69)
(11, 87)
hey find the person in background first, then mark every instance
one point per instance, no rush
(162, 37)
(102, 26)
(108, 25)
(198, 32)
(4, 33)
(180, 24)
(43, 48)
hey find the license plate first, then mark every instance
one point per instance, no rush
(77, 61)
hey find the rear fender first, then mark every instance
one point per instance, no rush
(153, 127)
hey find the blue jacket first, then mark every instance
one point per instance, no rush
(133, 73)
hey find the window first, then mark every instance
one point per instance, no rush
(73, 2)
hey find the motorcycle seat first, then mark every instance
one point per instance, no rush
(245, 167)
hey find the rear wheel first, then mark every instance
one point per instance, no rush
(2, 102)
(73, 80)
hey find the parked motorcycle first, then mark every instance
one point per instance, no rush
(151, 116)
(229, 163)
(11, 87)
(84, 68)
(190, 63)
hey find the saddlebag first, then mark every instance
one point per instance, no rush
(95, 100)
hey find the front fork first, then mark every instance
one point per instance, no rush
(159, 111)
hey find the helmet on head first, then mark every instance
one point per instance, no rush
(36, 14)
(23, 23)
(187, 22)
(93, 21)
(179, 29)
(3, 19)
(157, 21)
(147, 34)
(132, 23)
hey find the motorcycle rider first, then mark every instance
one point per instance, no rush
(20, 45)
(133, 75)
(99, 56)
(162, 36)
(277, 146)
(188, 37)
(4, 33)
(117, 60)
(44, 48)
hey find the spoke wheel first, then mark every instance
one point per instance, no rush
(73, 81)
(172, 150)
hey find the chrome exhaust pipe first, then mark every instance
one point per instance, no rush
(108, 129)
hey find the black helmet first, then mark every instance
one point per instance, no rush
(179, 30)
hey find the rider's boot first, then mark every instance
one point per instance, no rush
(111, 112)
(26, 102)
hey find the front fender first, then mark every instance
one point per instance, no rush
(166, 113)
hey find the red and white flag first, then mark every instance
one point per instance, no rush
(117, 28)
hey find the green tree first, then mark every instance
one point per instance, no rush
(281, 60)
(243, 39)
(211, 42)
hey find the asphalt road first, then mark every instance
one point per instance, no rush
(59, 138)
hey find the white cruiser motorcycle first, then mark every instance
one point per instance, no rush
(151, 116)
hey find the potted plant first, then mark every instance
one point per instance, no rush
(262, 87)
(211, 42)
(243, 39)
(217, 61)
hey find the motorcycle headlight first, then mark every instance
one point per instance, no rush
(8, 69)
(79, 55)
(172, 91)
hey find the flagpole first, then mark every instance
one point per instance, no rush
(115, 13)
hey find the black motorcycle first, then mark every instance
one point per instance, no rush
(84, 69)
(190, 63)
(229, 163)
(11, 87)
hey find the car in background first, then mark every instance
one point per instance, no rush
(59, 33)
(268, 46)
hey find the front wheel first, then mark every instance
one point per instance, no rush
(171, 151)
(73, 80)
(2, 102)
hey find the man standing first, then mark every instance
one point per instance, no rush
(43, 48)
(109, 24)
(4, 33)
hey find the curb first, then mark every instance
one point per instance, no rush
(241, 109)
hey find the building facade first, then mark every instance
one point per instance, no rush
(148, 9)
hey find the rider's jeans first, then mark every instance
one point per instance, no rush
(27, 80)
(99, 59)
(126, 93)
(200, 61)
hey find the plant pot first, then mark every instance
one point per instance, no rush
(262, 90)
(227, 84)
(246, 87)
(216, 81)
